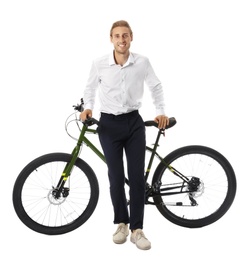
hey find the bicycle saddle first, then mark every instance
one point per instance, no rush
(172, 122)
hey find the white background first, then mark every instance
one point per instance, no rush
(200, 50)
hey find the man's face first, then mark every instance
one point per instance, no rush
(121, 38)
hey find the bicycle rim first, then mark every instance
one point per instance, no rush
(213, 196)
(37, 207)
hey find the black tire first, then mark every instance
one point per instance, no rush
(214, 196)
(39, 210)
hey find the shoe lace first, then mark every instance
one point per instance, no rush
(140, 235)
(120, 229)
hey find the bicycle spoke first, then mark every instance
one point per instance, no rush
(209, 197)
(196, 189)
(41, 205)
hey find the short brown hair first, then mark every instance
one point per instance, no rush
(121, 23)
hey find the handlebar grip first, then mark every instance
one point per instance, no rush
(91, 121)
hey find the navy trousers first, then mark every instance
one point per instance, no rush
(118, 135)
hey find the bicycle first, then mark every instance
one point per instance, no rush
(193, 186)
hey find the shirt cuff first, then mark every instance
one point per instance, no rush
(160, 111)
(88, 106)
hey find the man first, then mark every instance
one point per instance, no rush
(120, 78)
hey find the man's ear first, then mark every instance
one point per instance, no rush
(132, 37)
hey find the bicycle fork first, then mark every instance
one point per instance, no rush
(60, 189)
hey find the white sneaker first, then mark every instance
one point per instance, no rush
(120, 236)
(138, 238)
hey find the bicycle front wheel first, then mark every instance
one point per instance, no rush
(40, 210)
(207, 193)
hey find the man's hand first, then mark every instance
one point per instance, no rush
(162, 121)
(87, 113)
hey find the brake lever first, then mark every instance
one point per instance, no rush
(80, 107)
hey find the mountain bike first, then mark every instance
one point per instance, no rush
(193, 186)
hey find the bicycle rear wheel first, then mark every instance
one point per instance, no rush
(35, 204)
(207, 196)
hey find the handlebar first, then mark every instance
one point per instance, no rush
(89, 121)
(172, 122)
(92, 121)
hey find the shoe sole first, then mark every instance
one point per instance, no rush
(143, 248)
(120, 241)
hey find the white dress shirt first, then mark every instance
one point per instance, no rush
(121, 88)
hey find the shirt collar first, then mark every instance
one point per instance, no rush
(129, 61)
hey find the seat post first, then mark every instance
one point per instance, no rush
(153, 152)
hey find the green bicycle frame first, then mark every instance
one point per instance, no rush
(75, 154)
(84, 140)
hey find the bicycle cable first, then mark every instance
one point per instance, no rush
(68, 121)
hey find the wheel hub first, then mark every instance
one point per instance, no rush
(55, 198)
(196, 189)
